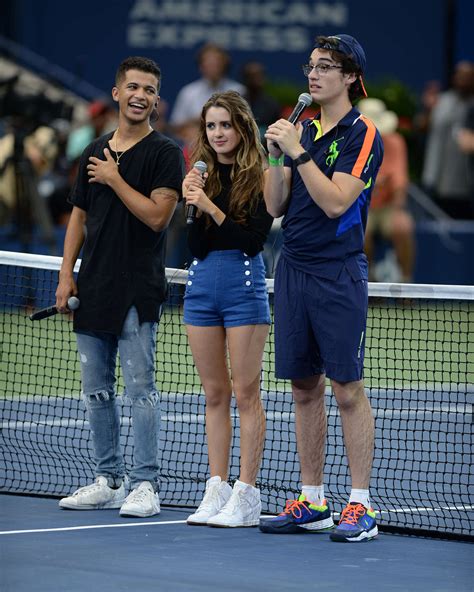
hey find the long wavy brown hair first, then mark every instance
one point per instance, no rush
(247, 170)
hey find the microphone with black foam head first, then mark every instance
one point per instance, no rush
(192, 209)
(72, 304)
(304, 100)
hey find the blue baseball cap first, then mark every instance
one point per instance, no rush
(347, 45)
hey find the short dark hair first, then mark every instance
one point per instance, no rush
(213, 48)
(349, 65)
(138, 63)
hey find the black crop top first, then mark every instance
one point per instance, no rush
(248, 238)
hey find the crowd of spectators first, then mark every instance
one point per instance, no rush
(447, 170)
(443, 128)
(389, 216)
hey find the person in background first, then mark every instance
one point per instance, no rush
(264, 107)
(466, 133)
(40, 149)
(226, 309)
(388, 216)
(421, 122)
(466, 144)
(27, 157)
(127, 187)
(102, 118)
(214, 64)
(320, 177)
(446, 167)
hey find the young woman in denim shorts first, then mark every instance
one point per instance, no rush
(226, 309)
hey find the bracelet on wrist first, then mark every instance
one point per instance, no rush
(302, 158)
(272, 161)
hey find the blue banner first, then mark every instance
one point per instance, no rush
(404, 40)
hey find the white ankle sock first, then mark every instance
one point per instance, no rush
(241, 485)
(361, 496)
(313, 493)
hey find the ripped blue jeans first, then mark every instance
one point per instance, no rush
(98, 355)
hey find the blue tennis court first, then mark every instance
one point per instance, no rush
(419, 376)
(45, 549)
(421, 477)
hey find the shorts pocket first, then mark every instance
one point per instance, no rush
(357, 268)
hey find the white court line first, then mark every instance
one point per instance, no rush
(335, 514)
(461, 508)
(96, 526)
(270, 415)
(92, 526)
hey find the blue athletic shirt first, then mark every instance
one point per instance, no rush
(312, 242)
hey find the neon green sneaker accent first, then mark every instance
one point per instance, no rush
(321, 508)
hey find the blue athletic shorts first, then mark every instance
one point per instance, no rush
(226, 289)
(320, 324)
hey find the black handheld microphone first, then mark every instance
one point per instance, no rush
(192, 209)
(304, 100)
(72, 304)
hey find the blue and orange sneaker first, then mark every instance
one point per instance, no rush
(299, 516)
(357, 524)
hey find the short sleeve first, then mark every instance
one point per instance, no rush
(362, 154)
(169, 169)
(80, 192)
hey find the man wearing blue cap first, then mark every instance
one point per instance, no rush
(320, 178)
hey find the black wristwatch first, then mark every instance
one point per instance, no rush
(302, 158)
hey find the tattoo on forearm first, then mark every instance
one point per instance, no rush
(165, 193)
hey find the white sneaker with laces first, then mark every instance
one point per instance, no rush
(143, 501)
(217, 494)
(97, 496)
(242, 509)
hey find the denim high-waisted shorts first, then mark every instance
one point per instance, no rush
(227, 289)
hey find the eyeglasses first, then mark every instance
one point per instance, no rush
(321, 69)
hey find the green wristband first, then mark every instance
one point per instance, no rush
(272, 161)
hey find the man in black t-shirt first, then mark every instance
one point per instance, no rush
(127, 188)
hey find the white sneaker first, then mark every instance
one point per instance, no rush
(98, 496)
(141, 502)
(242, 509)
(217, 494)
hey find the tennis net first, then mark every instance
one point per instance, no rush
(419, 376)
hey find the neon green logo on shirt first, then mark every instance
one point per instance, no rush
(333, 153)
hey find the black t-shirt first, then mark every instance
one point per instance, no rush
(123, 259)
(249, 237)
